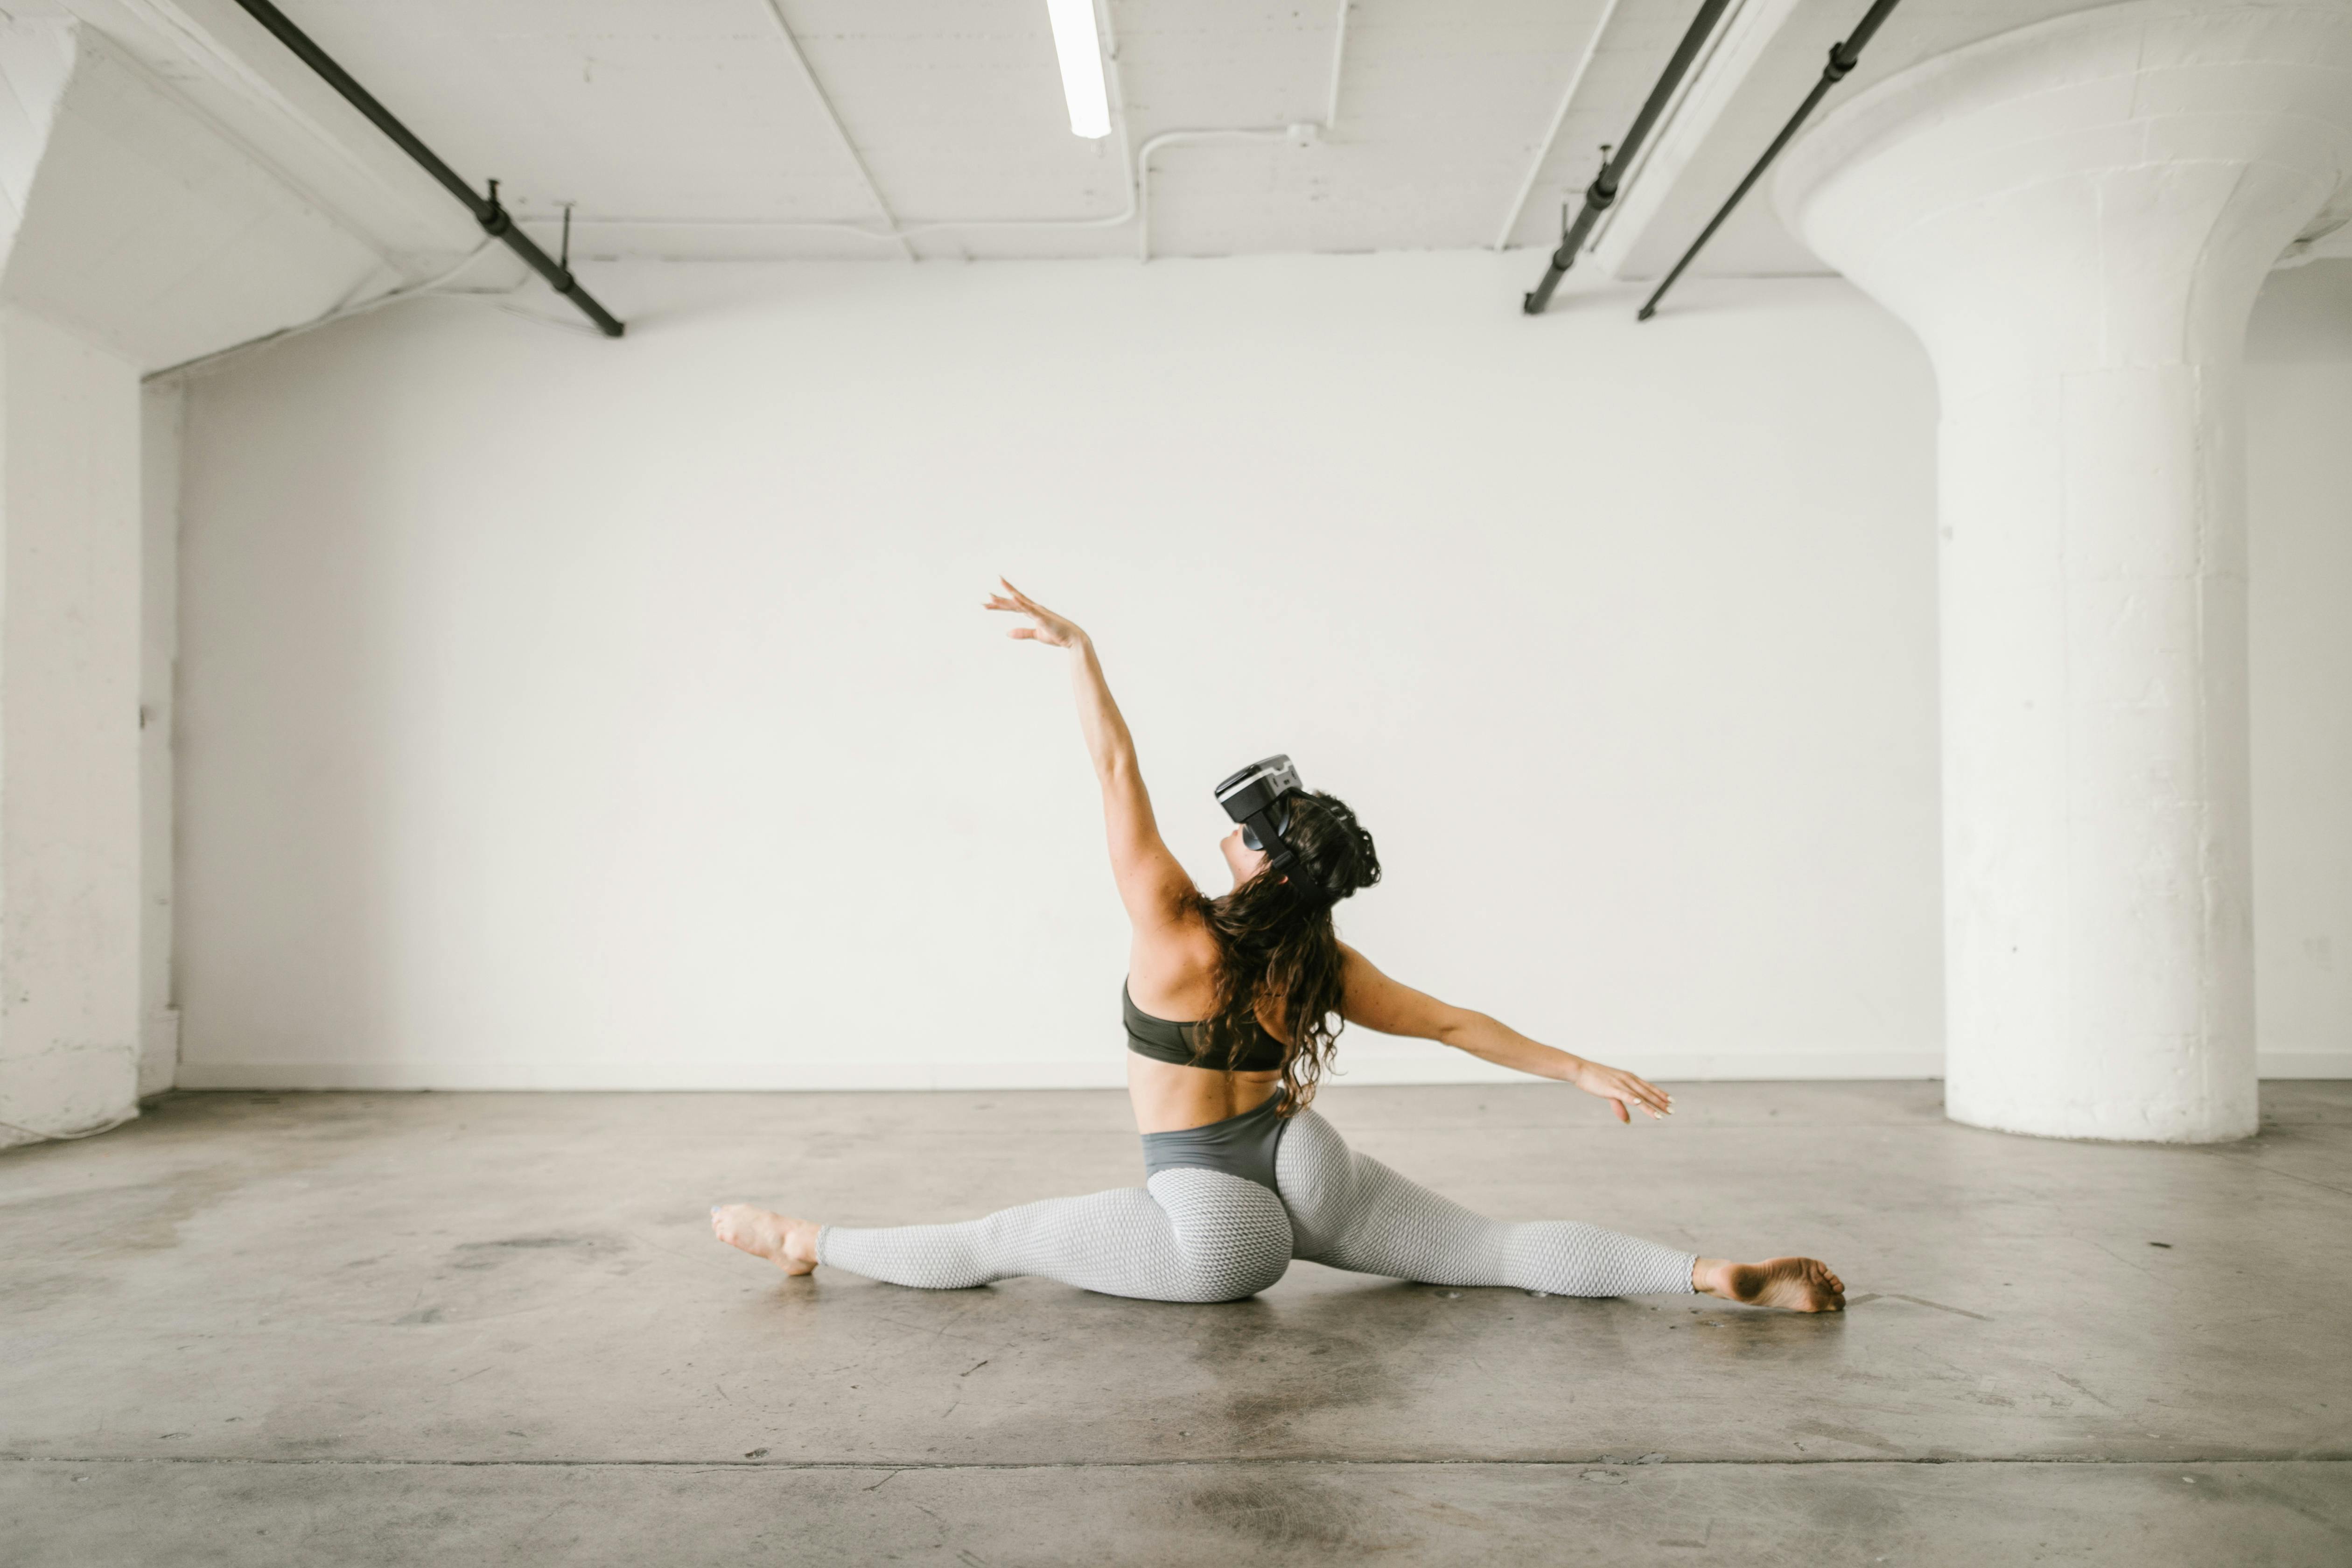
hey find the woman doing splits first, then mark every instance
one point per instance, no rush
(1241, 1176)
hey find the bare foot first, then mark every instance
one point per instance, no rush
(1798, 1284)
(789, 1244)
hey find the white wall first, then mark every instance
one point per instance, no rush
(565, 713)
(558, 713)
(2299, 468)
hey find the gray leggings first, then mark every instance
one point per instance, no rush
(1205, 1236)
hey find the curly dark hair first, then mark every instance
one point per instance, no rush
(1275, 933)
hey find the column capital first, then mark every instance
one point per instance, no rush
(2106, 188)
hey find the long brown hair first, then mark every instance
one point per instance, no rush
(1274, 933)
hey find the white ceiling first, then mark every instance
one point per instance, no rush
(687, 129)
(695, 111)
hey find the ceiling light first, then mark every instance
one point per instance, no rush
(1080, 48)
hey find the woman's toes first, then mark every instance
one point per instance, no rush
(787, 1243)
(738, 1225)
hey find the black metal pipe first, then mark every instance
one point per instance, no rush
(1842, 57)
(494, 218)
(1603, 189)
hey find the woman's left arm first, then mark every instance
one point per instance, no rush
(1379, 1003)
(1151, 883)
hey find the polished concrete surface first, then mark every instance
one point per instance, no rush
(462, 1327)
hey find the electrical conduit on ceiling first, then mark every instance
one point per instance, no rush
(1136, 209)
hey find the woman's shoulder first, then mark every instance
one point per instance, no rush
(1172, 973)
(1183, 940)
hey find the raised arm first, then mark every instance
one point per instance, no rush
(1392, 1008)
(1151, 884)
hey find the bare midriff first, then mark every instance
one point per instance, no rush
(1169, 1099)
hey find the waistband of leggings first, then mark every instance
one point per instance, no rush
(1272, 1106)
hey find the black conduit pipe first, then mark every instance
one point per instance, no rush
(1842, 57)
(494, 218)
(1603, 189)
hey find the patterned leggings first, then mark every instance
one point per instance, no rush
(1204, 1236)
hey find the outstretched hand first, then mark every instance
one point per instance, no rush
(1049, 629)
(1622, 1088)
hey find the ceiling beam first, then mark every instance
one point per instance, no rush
(832, 117)
(1558, 118)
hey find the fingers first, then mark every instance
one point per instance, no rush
(1622, 1090)
(1622, 1114)
(1019, 604)
(999, 602)
(1028, 606)
(1051, 629)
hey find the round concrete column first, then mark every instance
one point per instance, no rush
(2074, 218)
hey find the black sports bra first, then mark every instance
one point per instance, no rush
(1165, 1040)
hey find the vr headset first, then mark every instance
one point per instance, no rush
(1252, 798)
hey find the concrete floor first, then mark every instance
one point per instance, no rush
(461, 1328)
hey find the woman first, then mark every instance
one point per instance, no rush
(1241, 1176)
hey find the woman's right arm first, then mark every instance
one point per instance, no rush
(1390, 1007)
(1151, 884)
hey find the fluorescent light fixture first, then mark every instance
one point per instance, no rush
(1080, 48)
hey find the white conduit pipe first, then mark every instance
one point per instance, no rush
(1177, 139)
(1300, 133)
(1137, 187)
(1559, 118)
(900, 231)
(1338, 58)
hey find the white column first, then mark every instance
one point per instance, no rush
(69, 762)
(2076, 217)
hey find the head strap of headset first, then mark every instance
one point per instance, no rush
(1252, 797)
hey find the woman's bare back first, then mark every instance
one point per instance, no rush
(1172, 974)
